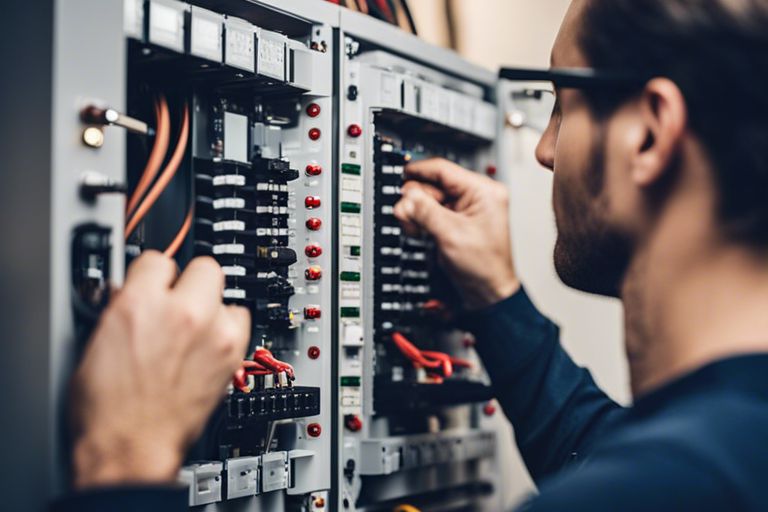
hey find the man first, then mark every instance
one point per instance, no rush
(660, 167)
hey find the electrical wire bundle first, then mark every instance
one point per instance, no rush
(395, 12)
(434, 362)
(263, 363)
(151, 184)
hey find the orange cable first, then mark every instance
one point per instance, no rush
(164, 179)
(156, 156)
(181, 235)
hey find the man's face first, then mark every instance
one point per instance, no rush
(591, 254)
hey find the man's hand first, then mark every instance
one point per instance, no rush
(158, 363)
(468, 216)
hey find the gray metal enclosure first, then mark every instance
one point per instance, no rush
(61, 55)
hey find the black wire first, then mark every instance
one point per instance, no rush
(407, 11)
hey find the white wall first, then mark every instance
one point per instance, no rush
(520, 32)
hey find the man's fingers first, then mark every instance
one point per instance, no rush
(201, 286)
(418, 208)
(151, 270)
(449, 177)
(435, 192)
(234, 323)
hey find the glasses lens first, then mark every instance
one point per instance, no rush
(531, 107)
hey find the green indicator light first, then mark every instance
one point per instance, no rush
(350, 312)
(354, 250)
(350, 276)
(350, 381)
(350, 207)
(351, 169)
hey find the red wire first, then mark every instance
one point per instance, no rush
(431, 360)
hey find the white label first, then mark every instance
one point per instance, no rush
(206, 38)
(229, 225)
(390, 190)
(234, 270)
(234, 293)
(350, 220)
(239, 49)
(235, 180)
(271, 58)
(228, 202)
(351, 231)
(229, 249)
(166, 26)
(350, 291)
(390, 231)
(391, 251)
(354, 184)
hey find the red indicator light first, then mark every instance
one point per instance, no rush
(491, 170)
(313, 273)
(313, 110)
(489, 409)
(353, 422)
(313, 224)
(312, 202)
(314, 170)
(313, 352)
(354, 130)
(313, 251)
(314, 133)
(314, 430)
(312, 313)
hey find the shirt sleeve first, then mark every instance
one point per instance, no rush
(125, 499)
(648, 476)
(555, 406)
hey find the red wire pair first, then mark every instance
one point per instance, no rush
(264, 363)
(429, 360)
(266, 359)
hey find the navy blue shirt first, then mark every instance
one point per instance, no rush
(699, 443)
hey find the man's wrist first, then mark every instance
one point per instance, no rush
(490, 295)
(102, 464)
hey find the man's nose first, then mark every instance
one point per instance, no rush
(545, 150)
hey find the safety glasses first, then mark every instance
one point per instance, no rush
(532, 95)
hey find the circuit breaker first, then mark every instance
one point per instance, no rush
(273, 136)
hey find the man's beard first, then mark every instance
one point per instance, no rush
(590, 255)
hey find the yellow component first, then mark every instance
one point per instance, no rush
(405, 508)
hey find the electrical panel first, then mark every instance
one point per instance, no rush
(273, 136)
(243, 117)
(411, 393)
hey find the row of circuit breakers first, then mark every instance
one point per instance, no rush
(278, 144)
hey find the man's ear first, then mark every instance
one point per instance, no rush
(665, 117)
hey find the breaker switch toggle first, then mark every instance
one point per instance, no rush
(312, 313)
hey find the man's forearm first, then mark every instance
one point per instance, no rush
(554, 405)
